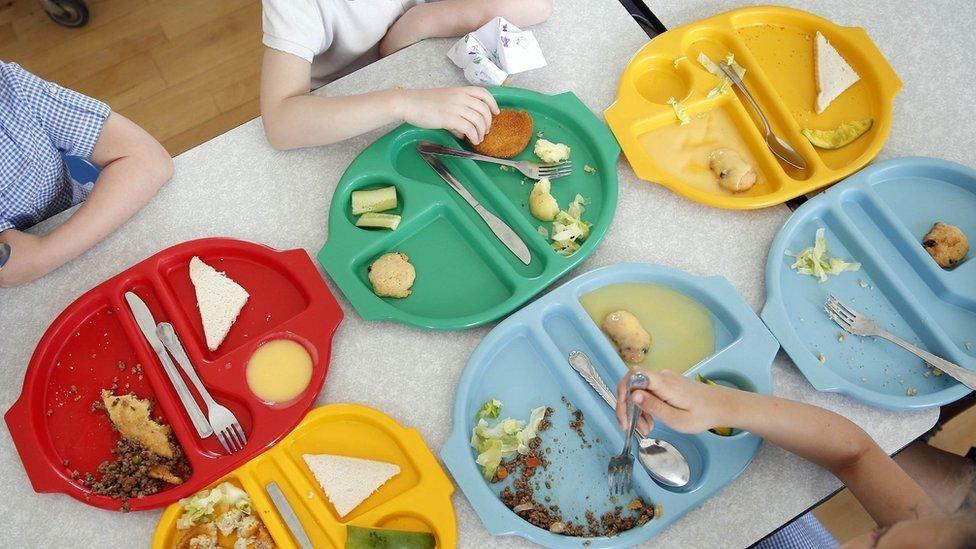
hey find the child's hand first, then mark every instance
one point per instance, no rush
(465, 112)
(685, 405)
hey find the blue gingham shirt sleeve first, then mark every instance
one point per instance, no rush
(72, 120)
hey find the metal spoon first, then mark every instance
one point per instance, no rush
(659, 457)
(4, 253)
(779, 147)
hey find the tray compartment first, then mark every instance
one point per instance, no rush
(783, 51)
(275, 296)
(446, 250)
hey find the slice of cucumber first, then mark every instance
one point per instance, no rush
(376, 538)
(374, 200)
(378, 221)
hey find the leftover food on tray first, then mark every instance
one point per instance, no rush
(550, 152)
(568, 228)
(816, 262)
(947, 244)
(524, 466)
(732, 171)
(679, 111)
(374, 200)
(358, 537)
(348, 481)
(219, 299)
(378, 221)
(279, 371)
(721, 431)
(682, 329)
(392, 275)
(503, 439)
(589, 169)
(627, 335)
(221, 517)
(833, 74)
(684, 151)
(724, 85)
(840, 136)
(509, 134)
(542, 205)
(147, 460)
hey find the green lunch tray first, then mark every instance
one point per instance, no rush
(465, 275)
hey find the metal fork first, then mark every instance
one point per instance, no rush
(621, 468)
(229, 432)
(529, 169)
(860, 324)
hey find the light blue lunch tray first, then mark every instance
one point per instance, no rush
(522, 362)
(878, 217)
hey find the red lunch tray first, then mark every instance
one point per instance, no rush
(96, 340)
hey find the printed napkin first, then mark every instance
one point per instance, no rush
(492, 53)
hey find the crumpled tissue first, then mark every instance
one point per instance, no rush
(498, 49)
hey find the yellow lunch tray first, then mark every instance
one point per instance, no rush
(418, 498)
(775, 46)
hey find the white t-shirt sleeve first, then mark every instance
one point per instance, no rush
(296, 27)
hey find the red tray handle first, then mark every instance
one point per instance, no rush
(36, 462)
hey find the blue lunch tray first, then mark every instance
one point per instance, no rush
(523, 363)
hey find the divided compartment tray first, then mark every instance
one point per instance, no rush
(878, 217)
(418, 498)
(96, 340)
(775, 46)
(465, 275)
(523, 362)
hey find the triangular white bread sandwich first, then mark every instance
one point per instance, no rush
(833, 74)
(348, 481)
(219, 298)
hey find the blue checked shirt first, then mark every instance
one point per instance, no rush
(40, 121)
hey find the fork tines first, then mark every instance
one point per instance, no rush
(559, 169)
(232, 438)
(841, 314)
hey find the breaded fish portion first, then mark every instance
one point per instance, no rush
(509, 134)
(130, 415)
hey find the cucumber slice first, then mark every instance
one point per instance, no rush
(378, 220)
(376, 538)
(374, 200)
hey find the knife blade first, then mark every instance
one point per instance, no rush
(288, 515)
(147, 324)
(509, 237)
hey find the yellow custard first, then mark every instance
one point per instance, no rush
(681, 328)
(279, 370)
(683, 150)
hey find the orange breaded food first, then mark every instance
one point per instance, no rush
(510, 133)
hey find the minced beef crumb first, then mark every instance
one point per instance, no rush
(549, 517)
(576, 424)
(128, 477)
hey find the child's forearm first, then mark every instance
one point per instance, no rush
(838, 445)
(309, 120)
(457, 17)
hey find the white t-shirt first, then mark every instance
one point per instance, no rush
(335, 36)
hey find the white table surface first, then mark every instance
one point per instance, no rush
(236, 186)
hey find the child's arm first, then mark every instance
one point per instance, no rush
(815, 434)
(456, 17)
(134, 166)
(292, 118)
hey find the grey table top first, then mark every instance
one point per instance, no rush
(236, 186)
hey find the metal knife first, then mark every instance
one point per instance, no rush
(509, 237)
(288, 515)
(147, 324)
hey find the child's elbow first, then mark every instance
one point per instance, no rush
(278, 137)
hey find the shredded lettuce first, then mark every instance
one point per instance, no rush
(680, 111)
(569, 229)
(502, 440)
(724, 85)
(815, 261)
(201, 507)
(490, 409)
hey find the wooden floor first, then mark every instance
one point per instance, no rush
(188, 70)
(185, 70)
